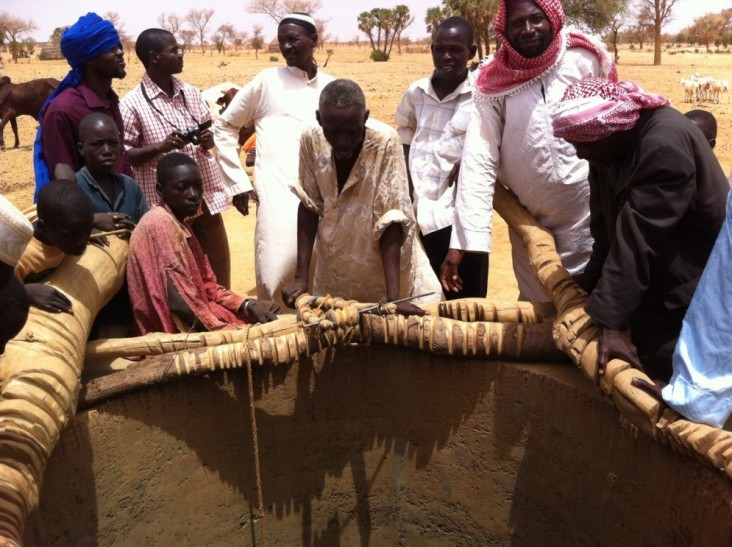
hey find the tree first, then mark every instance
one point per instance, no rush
(707, 29)
(323, 36)
(55, 37)
(642, 26)
(199, 20)
(367, 24)
(124, 38)
(382, 22)
(386, 25)
(403, 20)
(278, 9)
(186, 37)
(240, 39)
(659, 13)
(171, 22)
(13, 30)
(480, 14)
(434, 17)
(614, 30)
(225, 34)
(257, 41)
(594, 15)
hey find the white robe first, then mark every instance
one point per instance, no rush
(281, 102)
(701, 385)
(510, 139)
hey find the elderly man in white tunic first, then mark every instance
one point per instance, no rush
(280, 102)
(356, 209)
(510, 140)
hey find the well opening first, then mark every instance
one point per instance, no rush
(382, 446)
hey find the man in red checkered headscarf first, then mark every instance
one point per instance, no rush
(657, 202)
(510, 139)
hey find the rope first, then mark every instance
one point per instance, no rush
(255, 445)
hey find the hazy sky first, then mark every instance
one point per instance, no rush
(137, 15)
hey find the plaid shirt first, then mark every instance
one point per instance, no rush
(145, 126)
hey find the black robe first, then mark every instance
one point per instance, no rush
(655, 216)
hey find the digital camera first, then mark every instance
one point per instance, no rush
(193, 134)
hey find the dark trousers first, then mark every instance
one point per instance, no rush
(473, 269)
(211, 234)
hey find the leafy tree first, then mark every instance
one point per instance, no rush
(13, 30)
(366, 24)
(199, 20)
(435, 16)
(386, 25)
(257, 41)
(403, 20)
(707, 29)
(480, 14)
(55, 37)
(594, 15)
(659, 13)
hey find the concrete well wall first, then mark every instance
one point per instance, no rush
(375, 446)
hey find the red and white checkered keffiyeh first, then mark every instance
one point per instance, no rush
(509, 69)
(594, 108)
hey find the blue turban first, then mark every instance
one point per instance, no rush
(86, 39)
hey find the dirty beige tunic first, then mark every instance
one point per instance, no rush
(375, 196)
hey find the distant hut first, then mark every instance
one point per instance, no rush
(51, 52)
(274, 46)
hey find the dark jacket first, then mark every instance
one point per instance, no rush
(655, 217)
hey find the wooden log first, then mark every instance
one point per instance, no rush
(505, 341)
(577, 335)
(39, 375)
(158, 343)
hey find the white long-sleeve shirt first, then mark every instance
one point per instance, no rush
(434, 129)
(510, 140)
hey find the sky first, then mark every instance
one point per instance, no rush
(137, 15)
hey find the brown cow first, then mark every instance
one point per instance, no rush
(24, 99)
(224, 101)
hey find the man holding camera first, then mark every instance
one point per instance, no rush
(162, 114)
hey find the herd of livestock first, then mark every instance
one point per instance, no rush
(697, 88)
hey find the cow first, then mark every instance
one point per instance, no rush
(226, 98)
(23, 99)
(212, 94)
(224, 101)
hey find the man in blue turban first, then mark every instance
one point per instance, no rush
(92, 47)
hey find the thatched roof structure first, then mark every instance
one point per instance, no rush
(51, 52)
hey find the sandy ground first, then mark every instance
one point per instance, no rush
(383, 84)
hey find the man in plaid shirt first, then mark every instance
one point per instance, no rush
(158, 115)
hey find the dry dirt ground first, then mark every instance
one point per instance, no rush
(383, 84)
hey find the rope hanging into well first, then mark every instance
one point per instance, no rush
(255, 447)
